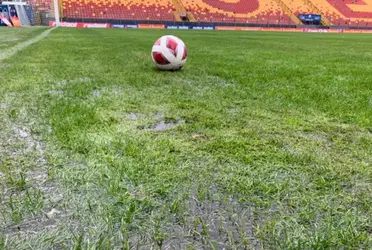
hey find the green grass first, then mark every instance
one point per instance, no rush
(272, 150)
(10, 37)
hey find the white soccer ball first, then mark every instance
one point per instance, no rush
(169, 53)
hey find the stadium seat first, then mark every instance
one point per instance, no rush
(345, 12)
(119, 9)
(40, 5)
(257, 11)
(339, 12)
(298, 7)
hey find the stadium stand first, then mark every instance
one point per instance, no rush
(263, 11)
(41, 5)
(119, 9)
(298, 7)
(345, 12)
(39, 11)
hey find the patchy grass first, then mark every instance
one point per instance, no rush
(262, 141)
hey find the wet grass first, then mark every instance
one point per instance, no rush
(262, 141)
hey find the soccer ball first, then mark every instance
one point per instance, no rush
(169, 53)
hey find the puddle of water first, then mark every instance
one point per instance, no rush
(159, 116)
(96, 93)
(162, 125)
(136, 116)
(3, 105)
(21, 132)
(133, 116)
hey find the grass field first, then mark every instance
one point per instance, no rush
(262, 141)
(11, 37)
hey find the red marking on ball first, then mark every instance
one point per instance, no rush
(159, 58)
(172, 46)
(184, 53)
(157, 42)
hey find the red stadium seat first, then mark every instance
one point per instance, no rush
(240, 11)
(339, 12)
(346, 12)
(119, 9)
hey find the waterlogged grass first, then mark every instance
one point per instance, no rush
(262, 141)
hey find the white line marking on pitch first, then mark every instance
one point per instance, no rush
(14, 50)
